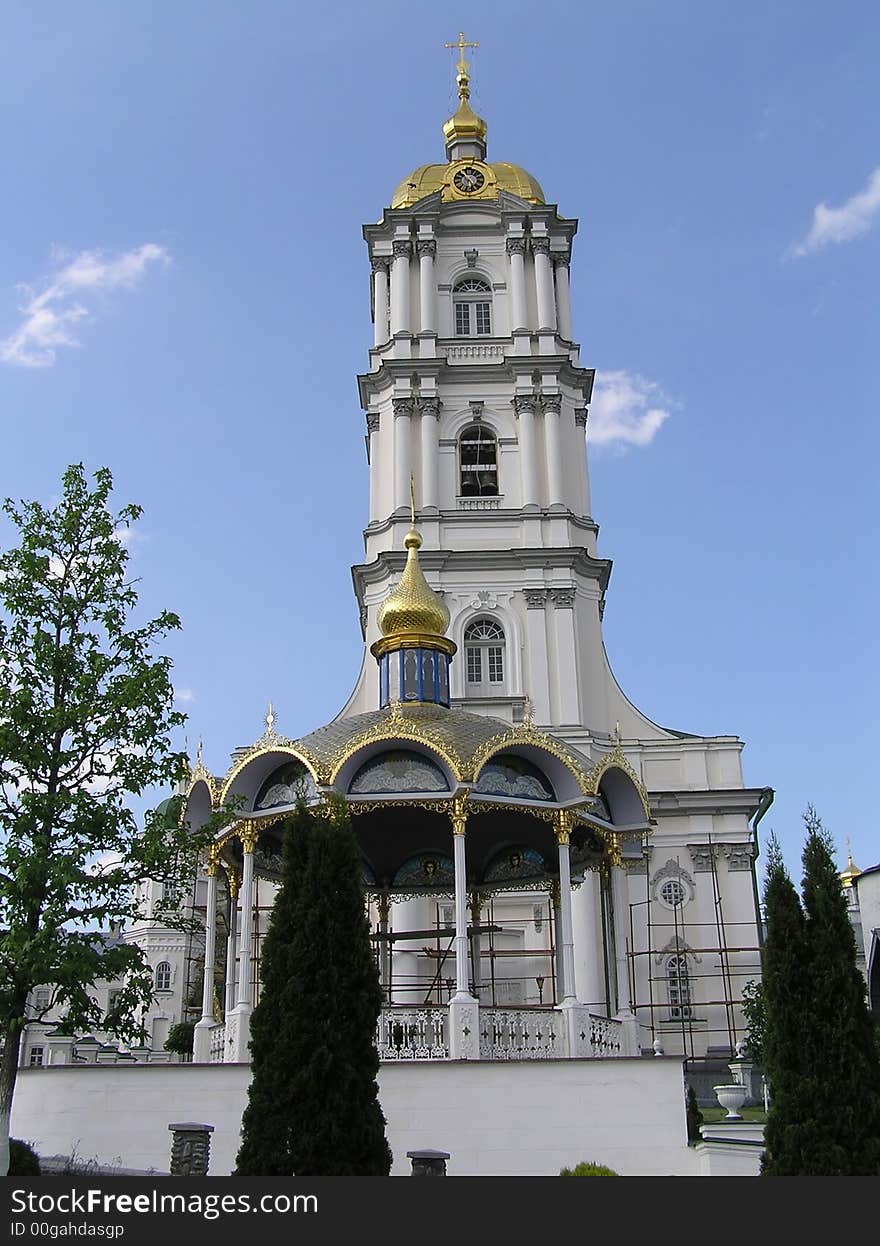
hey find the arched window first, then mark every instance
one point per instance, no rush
(472, 307)
(484, 657)
(679, 985)
(478, 462)
(163, 976)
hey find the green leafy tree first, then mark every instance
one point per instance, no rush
(756, 1019)
(86, 716)
(313, 1106)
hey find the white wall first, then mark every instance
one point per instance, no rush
(528, 1118)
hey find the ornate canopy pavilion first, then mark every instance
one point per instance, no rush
(448, 806)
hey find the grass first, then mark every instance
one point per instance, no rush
(711, 1116)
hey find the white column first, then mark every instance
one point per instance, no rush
(246, 947)
(515, 250)
(427, 249)
(524, 406)
(563, 295)
(620, 905)
(429, 412)
(563, 830)
(538, 679)
(400, 316)
(461, 914)
(231, 943)
(383, 905)
(402, 451)
(588, 968)
(380, 300)
(202, 1035)
(544, 284)
(373, 455)
(552, 406)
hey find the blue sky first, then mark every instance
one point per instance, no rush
(184, 298)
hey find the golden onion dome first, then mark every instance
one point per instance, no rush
(412, 614)
(851, 873)
(427, 179)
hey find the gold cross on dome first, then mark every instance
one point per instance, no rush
(412, 500)
(461, 44)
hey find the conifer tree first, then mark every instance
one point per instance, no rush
(839, 1046)
(785, 990)
(313, 1107)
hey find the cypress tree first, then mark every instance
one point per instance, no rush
(313, 1106)
(839, 1046)
(785, 989)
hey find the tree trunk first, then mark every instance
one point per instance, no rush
(8, 1074)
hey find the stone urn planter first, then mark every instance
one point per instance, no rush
(731, 1098)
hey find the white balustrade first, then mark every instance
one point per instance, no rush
(413, 1034)
(492, 502)
(486, 352)
(218, 1042)
(606, 1036)
(527, 1034)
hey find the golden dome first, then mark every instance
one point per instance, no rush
(427, 179)
(852, 871)
(412, 614)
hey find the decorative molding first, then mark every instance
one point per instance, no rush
(739, 856)
(402, 406)
(671, 869)
(541, 246)
(471, 257)
(676, 947)
(525, 402)
(562, 258)
(516, 246)
(563, 598)
(535, 598)
(427, 247)
(551, 402)
(372, 422)
(702, 857)
(580, 417)
(429, 407)
(476, 409)
(401, 246)
(380, 263)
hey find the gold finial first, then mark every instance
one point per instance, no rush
(852, 871)
(199, 752)
(462, 66)
(617, 734)
(270, 720)
(464, 125)
(528, 713)
(412, 500)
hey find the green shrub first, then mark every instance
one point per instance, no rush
(180, 1038)
(694, 1117)
(23, 1159)
(589, 1170)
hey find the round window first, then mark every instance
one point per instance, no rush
(672, 893)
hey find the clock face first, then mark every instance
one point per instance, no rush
(469, 180)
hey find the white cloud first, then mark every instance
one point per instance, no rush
(626, 409)
(50, 316)
(850, 220)
(184, 696)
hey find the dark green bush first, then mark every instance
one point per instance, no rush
(180, 1038)
(23, 1159)
(589, 1170)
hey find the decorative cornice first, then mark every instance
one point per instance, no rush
(535, 598)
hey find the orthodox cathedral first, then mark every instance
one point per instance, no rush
(552, 877)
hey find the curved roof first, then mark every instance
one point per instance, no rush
(427, 179)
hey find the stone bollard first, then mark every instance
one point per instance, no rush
(428, 1163)
(190, 1149)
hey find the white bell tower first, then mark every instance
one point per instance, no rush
(476, 392)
